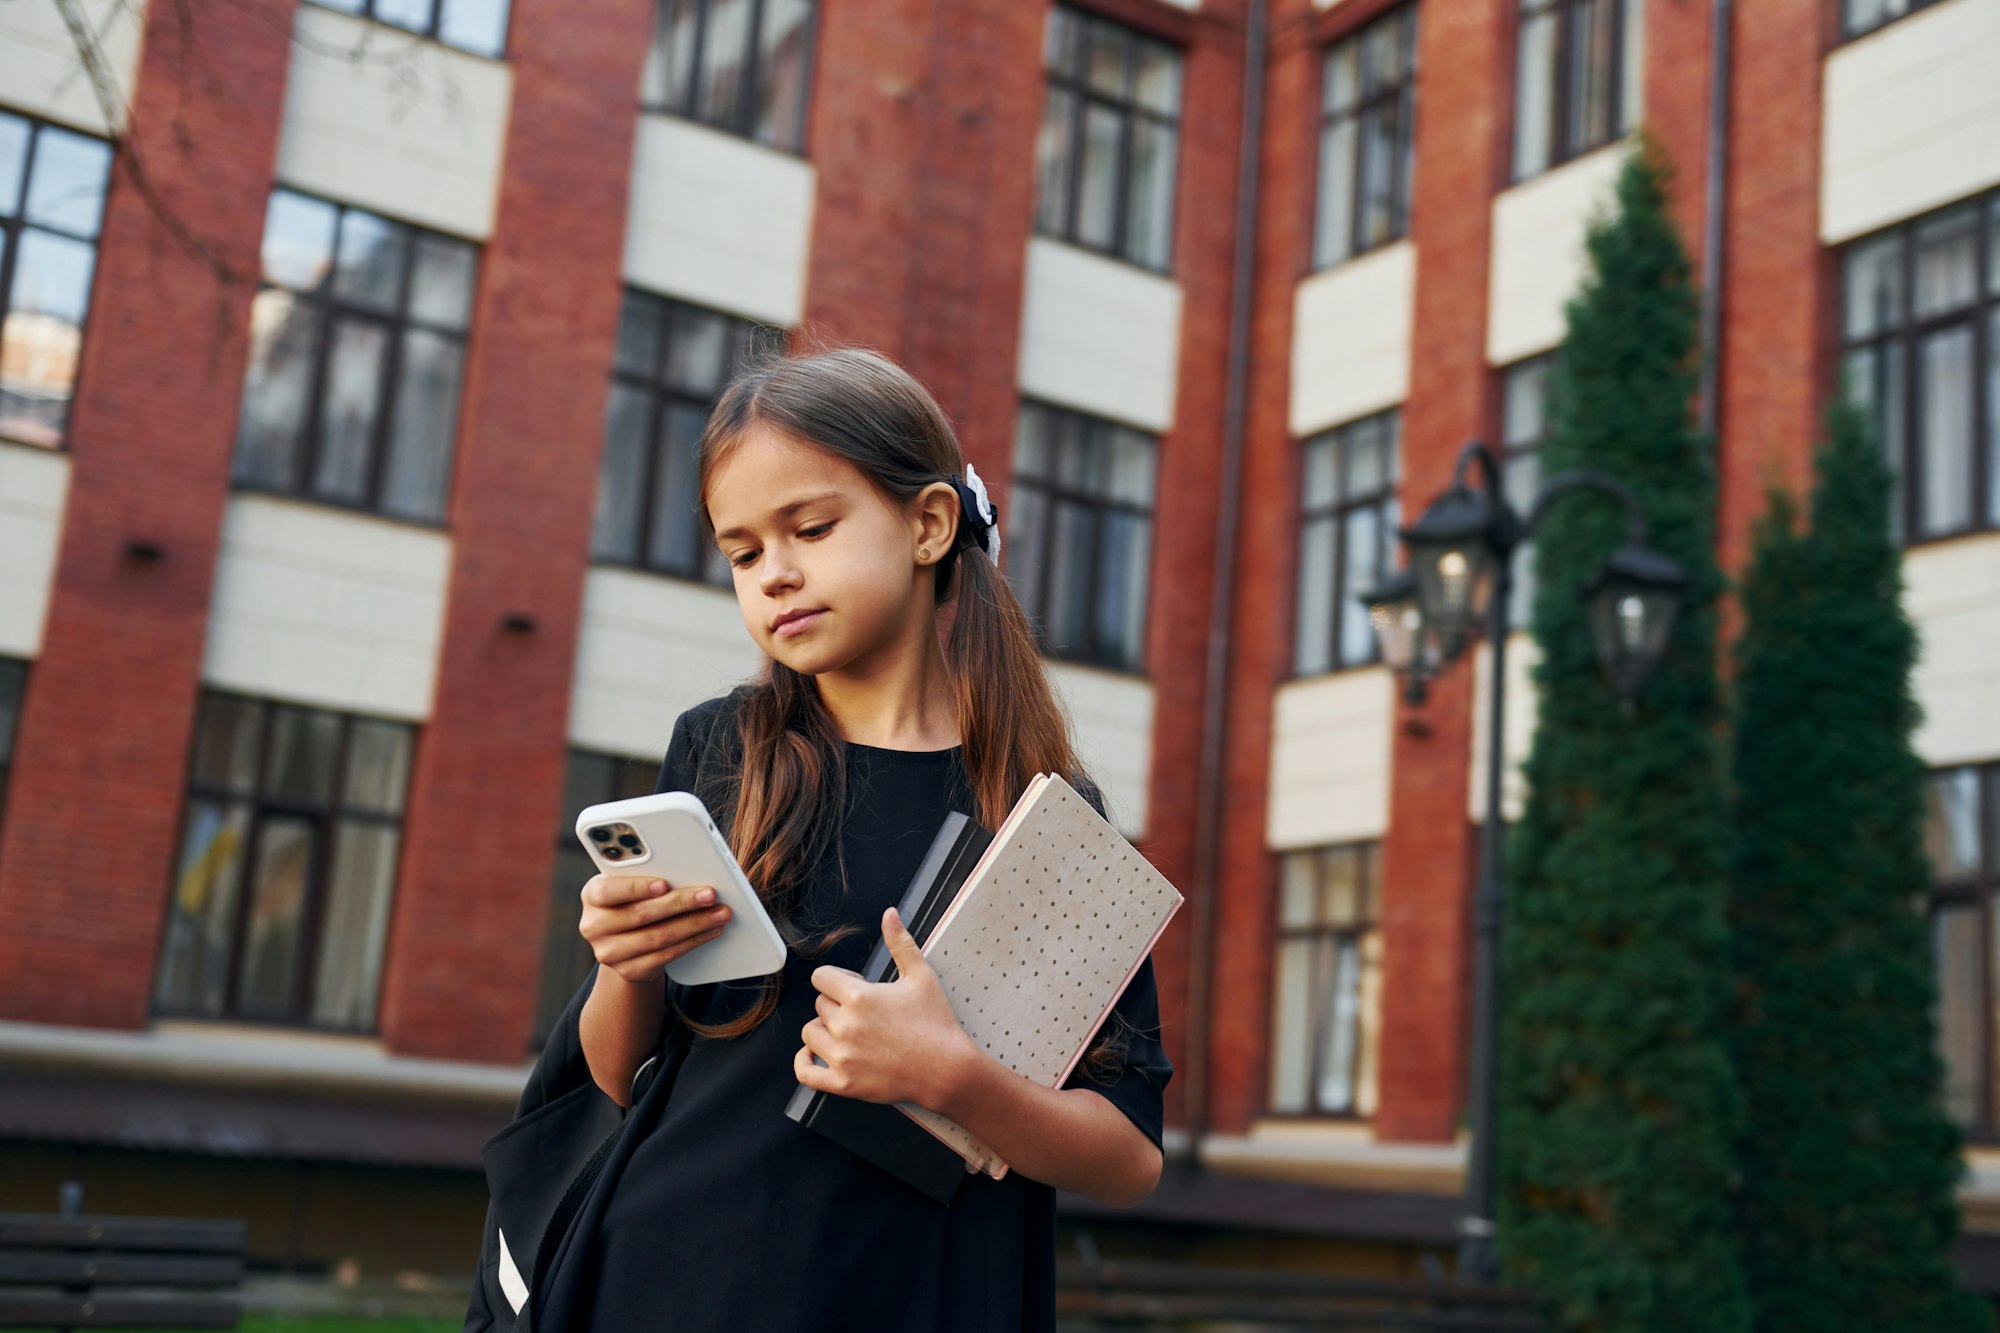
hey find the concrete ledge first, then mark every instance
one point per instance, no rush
(1338, 1155)
(224, 1055)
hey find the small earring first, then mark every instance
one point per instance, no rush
(923, 553)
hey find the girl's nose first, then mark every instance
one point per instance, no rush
(780, 572)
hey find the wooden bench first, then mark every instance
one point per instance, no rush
(1114, 1294)
(72, 1270)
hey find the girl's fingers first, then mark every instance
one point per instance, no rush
(826, 1005)
(817, 1039)
(646, 962)
(614, 943)
(619, 890)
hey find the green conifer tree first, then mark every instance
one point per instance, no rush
(1620, 1109)
(1848, 1161)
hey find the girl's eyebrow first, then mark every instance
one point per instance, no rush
(781, 513)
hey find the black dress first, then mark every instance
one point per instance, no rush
(723, 1216)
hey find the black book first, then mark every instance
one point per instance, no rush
(875, 1131)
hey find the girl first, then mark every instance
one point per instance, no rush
(832, 483)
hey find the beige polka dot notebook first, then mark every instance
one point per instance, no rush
(1041, 941)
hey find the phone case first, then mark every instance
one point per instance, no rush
(678, 842)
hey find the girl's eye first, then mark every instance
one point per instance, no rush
(816, 531)
(742, 558)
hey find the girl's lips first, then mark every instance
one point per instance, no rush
(798, 625)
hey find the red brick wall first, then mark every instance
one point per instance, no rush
(466, 937)
(110, 703)
(1777, 332)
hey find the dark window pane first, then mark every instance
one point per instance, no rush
(1064, 53)
(1341, 1032)
(667, 82)
(1066, 612)
(621, 481)
(726, 45)
(284, 351)
(1526, 408)
(282, 871)
(1097, 189)
(1320, 472)
(1129, 467)
(298, 241)
(13, 162)
(1952, 830)
(301, 756)
(639, 334)
(1380, 129)
(349, 408)
(1945, 385)
(698, 350)
(66, 191)
(43, 335)
(1313, 645)
(441, 287)
(226, 743)
(1534, 86)
(1361, 571)
(12, 674)
(1333, 238)
(1341, 77)
(1632, 70)
(1053, 150)
(372, 254)
(784, 55)
(478, 26)
(426, 419)
(1108, 68)
(1157, 86)
(378, 766)
(1993, 415)
(1590, 63)
(1947, 262)
(1959, 952)
(201, 914)
(1150, 205)
(1025, 540)
(1874, 286)
(1125, 562)
(354, 925)
(676, 528)
(412, 14)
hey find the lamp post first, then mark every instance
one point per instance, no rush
(1460, 573)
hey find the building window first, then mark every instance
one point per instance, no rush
(51, 203)
(357, 348)
(1920, 319)
(1367, 137)
(739, 65)
(672, 362)
(1347, 539)
(1104, 162)
(1327, 996)
(1524, 427)
(1079, 539)
(1962, 838)
(590, 779)
(1578, 77)
(280, 900)
(1867, 15)
(13, 677)
(478, 26)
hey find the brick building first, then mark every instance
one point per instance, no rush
(346, 417)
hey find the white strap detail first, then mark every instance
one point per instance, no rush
(511, 1285)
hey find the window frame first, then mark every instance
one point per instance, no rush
(14, 673)
(1052, 493)
(329, 308)
(12, 228)
(1327, 937)
(1902, 339)
(1386, 500)
(327, 819)
(431, 32)
(1562, 76)
(1083, 98)
(742, 123)
(1403, 93)
(745, 335)
(1977, 892)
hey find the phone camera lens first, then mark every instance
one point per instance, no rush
(629, 840)
(600, 834)
(612, 853)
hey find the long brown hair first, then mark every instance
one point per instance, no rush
(862, 407)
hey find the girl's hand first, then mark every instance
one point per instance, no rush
(895, 1041)
(636, 924)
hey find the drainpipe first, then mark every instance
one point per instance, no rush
(1717, 168)
(1215, 700)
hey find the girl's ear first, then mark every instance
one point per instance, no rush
(936, 520)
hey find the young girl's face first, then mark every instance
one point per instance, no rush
(825, 568)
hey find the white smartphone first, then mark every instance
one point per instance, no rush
(670, 835)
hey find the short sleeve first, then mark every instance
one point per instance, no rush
(1138, 1083)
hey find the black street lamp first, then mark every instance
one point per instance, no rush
(1460, 557)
